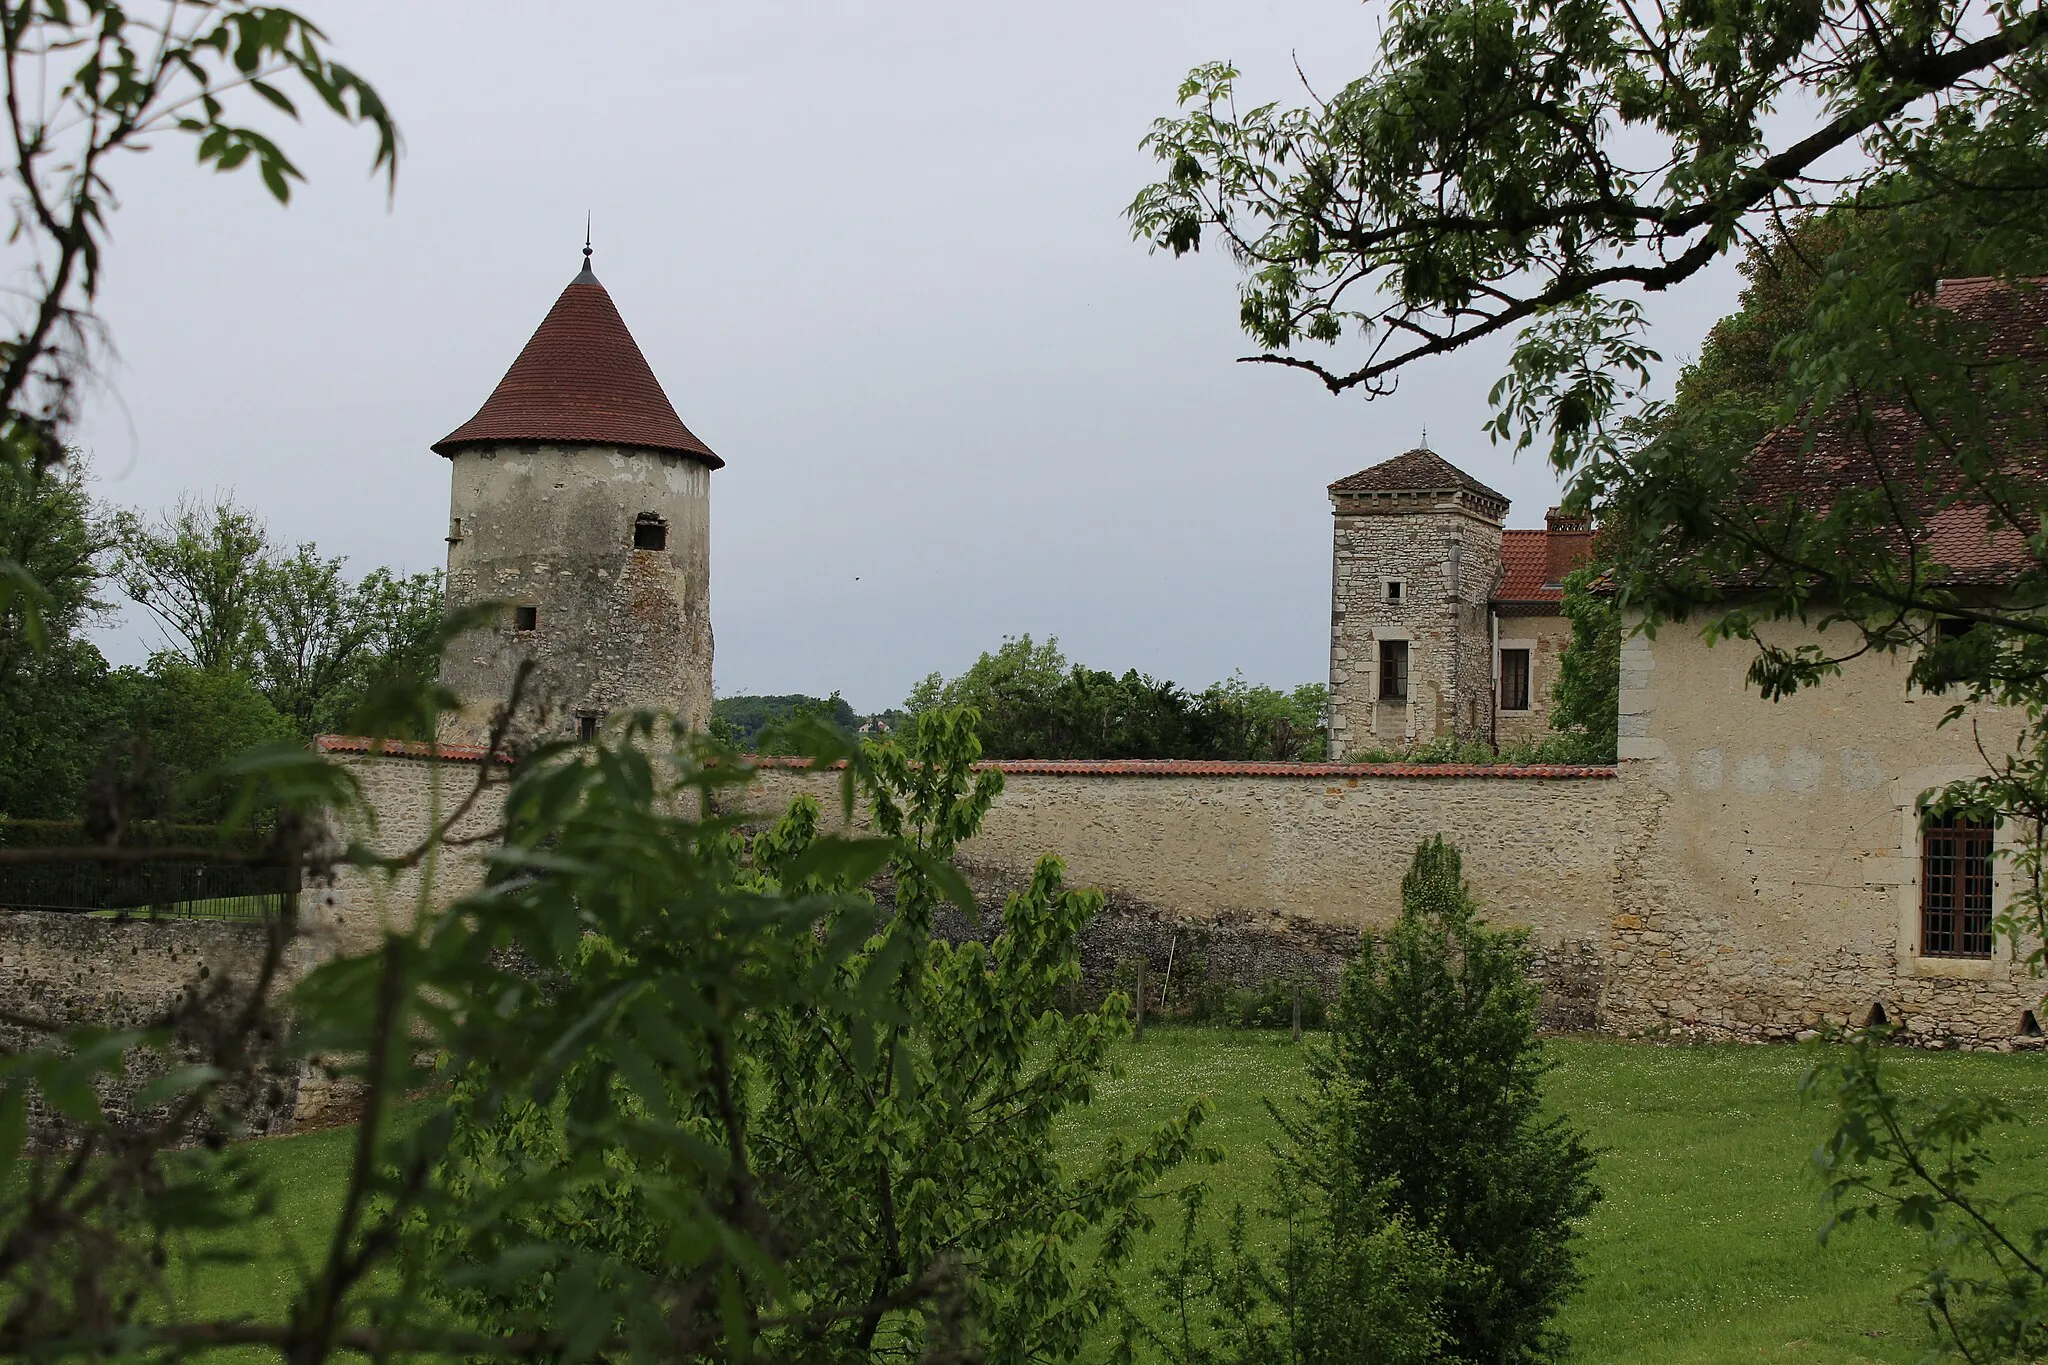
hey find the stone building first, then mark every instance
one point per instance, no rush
(581, 503)
(1442, 622)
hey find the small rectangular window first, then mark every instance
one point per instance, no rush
(650, 533)
(586, 729)
(1397, 591)
(1514, 680)
(525, 618)
(1393, 670)
(1955, 887)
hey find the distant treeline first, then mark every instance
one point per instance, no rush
(746, 722)
(1034, 703)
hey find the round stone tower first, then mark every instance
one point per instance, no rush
(582, 504)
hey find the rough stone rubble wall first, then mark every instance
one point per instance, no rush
(70, 970)
(552, 527)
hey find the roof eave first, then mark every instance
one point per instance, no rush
(448, 446)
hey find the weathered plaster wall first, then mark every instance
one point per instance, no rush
(1446, 557)
(1773, 884)
(551, 527)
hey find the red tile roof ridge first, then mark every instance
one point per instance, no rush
(403, 748)
(1203, 767)
(1063, 767)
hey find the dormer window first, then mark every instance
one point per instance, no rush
(650, 532)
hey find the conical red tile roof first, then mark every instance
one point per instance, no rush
(580, 379)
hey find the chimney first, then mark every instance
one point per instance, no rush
(1568, 544)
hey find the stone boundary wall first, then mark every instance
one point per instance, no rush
(1273, 870)
(123, 973)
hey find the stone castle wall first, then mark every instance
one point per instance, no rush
(1749, 870)
(1275, 875)
(69, 970)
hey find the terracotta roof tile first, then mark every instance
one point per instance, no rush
(1793, 464)
(1073, 767)
(1417, 471)
(402, 748)
(580, 379)
(1525, 566)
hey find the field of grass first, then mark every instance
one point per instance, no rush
(1703, 1249)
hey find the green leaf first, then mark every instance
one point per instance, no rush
(832, 860)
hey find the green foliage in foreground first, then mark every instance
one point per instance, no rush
(1034, 704)
(1703, 1251)
(894, 1167)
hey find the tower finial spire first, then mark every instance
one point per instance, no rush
(586, 275)
(1425, 430)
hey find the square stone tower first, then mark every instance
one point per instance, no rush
(1415, 557)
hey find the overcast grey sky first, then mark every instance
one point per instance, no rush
(875, 253)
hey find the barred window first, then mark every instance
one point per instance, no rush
(1393, 670)
(1514, 680)
(1955, 887)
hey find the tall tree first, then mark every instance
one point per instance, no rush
(51, 530)
(321, 640)
(86, 83)
(1531, 169)
(200, 569)
(55, 703)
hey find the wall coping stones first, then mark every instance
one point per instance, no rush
(402, 748)
(1190, 767)
(1077, 767)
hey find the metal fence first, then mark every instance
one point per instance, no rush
(182, 888)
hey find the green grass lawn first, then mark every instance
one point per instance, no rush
(1702, 1251)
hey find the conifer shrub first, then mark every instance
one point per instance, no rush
(1425, 1208)
(1431, 1094)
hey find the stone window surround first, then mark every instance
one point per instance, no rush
(1407, 637)
(1905, 793)
(1501, 648)
(1394, 592)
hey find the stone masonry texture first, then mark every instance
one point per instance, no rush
(1446, 556)
(181, 975)
(551, 528)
